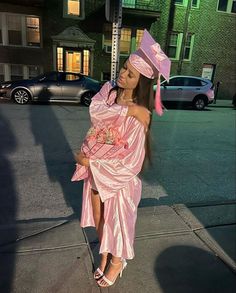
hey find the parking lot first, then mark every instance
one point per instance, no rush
(193, 158)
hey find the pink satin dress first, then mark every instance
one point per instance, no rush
(116, 180)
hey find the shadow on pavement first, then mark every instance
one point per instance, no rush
(194, 269)
(58, 156)
(8, 206)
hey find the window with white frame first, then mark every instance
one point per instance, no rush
(175, 43)
(19, 30)
(129, 40)
(195, 3)
(228, 6)
(188, 47)
(73, 8)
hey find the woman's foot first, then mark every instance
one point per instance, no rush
(103, 264)
(115, 269)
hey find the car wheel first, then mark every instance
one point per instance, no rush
(86, 98)
(199, 103)
(21, 96)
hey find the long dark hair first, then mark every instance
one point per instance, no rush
(143, 95)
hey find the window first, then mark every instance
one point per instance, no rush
(19, 30)
(188, 47)
(73, 8)
(195, 3)
(71, 77)
(125, 41)
(33, 71)
(14, 29)
(0, 29)
(1, 72)
(139, 35)
(32, 31)
(175, 46)
(60, 59)
(86, 62)
(227, 6)
(129, 40)
(128, 3)
(16, 71)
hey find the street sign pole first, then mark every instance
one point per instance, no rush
(116, 33)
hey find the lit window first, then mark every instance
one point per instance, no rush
(16, 71)
(125, 40)
(32, 31)
(60, 59)
(86, 62)
(14, 29)
(73, 7)
(227, 6)
(139, 35)
(129, 41)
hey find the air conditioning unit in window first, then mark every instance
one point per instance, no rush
(107, 48)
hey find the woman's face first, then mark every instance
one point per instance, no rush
(128, 77)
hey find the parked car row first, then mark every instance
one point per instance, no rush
(52, 86)
(75, 87)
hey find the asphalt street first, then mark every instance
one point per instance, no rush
(193, 159)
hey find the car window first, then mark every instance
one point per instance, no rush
(176, 81)
(53, 76)
(192, 82)
(71, 77)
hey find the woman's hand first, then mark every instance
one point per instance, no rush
(141, 113)
(81, 159)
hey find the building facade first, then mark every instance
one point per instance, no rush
(74, 35)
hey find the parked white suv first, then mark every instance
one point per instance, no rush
(188, 89)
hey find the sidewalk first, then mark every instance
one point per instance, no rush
(178, 249)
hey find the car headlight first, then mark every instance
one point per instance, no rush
(3, 86)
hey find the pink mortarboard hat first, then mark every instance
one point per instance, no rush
(151, 62)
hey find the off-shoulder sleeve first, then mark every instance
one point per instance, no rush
(103, 110)
(110, 175)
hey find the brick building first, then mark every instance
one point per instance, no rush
(73, 35)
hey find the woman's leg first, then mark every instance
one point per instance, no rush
(98, 208)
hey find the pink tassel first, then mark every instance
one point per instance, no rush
(158, 104)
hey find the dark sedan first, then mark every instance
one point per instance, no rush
(52, 86)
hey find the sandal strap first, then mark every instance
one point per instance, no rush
(104, 278)
(99, 271)
(115, 264)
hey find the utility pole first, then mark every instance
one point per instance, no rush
(185, 35)
(114, 15)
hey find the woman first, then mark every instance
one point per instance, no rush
(112, 189)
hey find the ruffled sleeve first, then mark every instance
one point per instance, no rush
(110, 175)
(104, 110)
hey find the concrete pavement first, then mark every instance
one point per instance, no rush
(178, 249)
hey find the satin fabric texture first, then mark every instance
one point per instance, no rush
(116, 179)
